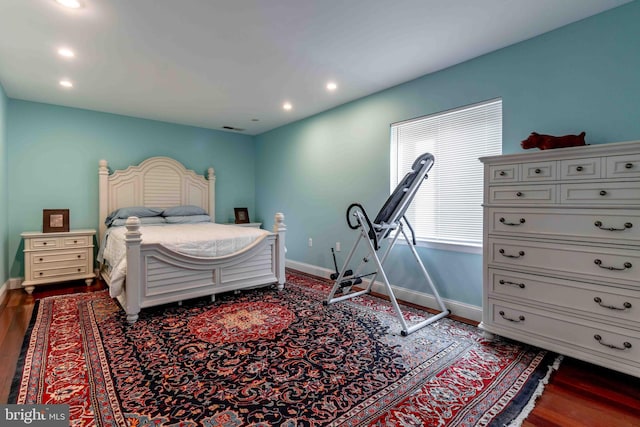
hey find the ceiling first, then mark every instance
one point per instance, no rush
(216, 63)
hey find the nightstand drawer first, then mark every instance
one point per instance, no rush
(75, 241)
(57, 258)
(59, 272)
(44, 243)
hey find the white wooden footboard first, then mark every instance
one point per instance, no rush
(157, 275)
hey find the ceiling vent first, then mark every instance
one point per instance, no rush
(233, 128)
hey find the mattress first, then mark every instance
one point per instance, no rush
(204, 240)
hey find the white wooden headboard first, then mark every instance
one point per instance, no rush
(158, 182)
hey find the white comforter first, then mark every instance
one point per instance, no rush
(204, 239)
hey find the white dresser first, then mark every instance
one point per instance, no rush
(57, 257)
(562, 251)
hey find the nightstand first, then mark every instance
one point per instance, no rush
(57, 257)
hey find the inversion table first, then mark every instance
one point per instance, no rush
(391, 217)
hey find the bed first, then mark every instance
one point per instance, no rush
(158, 273)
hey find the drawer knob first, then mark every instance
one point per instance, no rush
(579, 168)
(40, 259)
(504, 221)
(625, 345)
(506, 282)
(601, 227)
(79, 270)
(502, 173)
(518, 320)
(519, 194)
(603, 193)
(40, 274)
(79, 256)
(625, 306)
(606, 267)
(75, 241)
(502, 252)
(44, 243)
(537, 171)
(628, 166)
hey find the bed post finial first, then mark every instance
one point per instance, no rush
(280, 228)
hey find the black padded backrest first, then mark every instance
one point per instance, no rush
(398, 202)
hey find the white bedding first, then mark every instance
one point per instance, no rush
(204, 239)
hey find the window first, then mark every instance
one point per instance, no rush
(448, 207)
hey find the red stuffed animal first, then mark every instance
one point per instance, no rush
(545, 142)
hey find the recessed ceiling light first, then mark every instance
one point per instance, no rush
(287, 106)
(67, 53)
(72, 4)
(332, 86)
(66, 83)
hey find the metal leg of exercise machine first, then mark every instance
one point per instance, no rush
(390, 218)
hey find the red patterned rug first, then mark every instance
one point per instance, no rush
(268, 358)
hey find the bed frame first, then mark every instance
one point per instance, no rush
(157, 275)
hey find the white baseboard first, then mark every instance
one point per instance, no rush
(458, 308)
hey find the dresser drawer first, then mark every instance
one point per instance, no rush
(591, 263)
(610, 341)
(609, 193)
(75, 241)
(58, 258)
(608, 225)
(623, 166)
(589, 168)
(606, 302)
(503, 173)
(539, 171)
(522, 194)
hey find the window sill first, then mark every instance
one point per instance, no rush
(468, 248)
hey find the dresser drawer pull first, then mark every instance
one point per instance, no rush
(603, 193)
(44, 243)
(599, 225)
(599, 264)
(518, 320)
(502, 173)
(502, 220)
(79, 256)
(506, 282)
(520, 254)
(626, 305)
(75, 241)
(40, 259)
(537, 171)
(579, 168)
(519, 194)
(628, 166)
(41, 273)
(626, 344)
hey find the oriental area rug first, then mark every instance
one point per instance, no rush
(271, 358)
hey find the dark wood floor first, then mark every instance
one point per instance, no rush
(579, 394)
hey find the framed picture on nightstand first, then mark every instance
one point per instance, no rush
(242, 215)
(55, 220)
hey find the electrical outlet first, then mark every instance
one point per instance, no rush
(310, 242)
(338, 247)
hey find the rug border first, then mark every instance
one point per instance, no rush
(19, 371)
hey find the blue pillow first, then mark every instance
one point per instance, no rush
(184, 211)
(139, 211)
(187, 219)
(117, 222)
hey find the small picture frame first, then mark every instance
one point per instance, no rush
(242, 215)
(55, 220)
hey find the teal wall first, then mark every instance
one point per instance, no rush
(4, 224)
(53, 157)
(582, 77)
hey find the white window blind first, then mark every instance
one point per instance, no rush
(448, 206)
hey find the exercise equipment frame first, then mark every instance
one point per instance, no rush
(390, 218)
